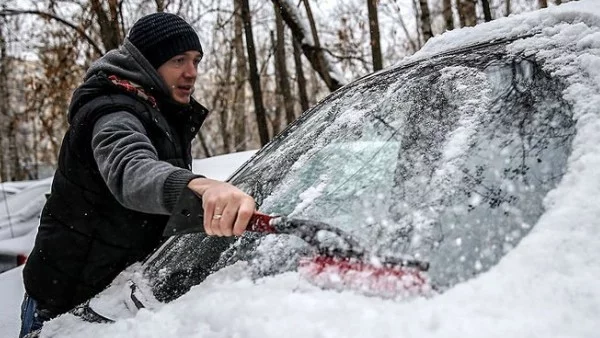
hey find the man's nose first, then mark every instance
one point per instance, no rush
(190, 70)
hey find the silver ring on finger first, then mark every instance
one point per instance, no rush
(217, 217)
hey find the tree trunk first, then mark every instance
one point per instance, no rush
(374, 29)
(508, 11)
(313, 52)
(241, 76)
(558, 2)
(278, 116)
(13, 153)
(447, 14)
(487, 13)
(543, 3)
(320, 57)
(207, 152)
(417, 23)
(281, 70)
(221, 95)
(110, 32)
(35, 147)
(259, 109)
(222, 77)
(466, 12)
(160, 5)
(300, 79)
(413, 43)
(4, 97)
(425, 20)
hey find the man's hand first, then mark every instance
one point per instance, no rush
(227, 209)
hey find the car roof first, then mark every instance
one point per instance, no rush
(507, 29)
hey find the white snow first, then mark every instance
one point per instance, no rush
(222, 166)
(11, 296)
(546, 287)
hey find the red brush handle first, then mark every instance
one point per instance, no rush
(260, 222)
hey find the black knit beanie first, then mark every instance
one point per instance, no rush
(161, 36)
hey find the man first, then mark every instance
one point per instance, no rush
(122, 165)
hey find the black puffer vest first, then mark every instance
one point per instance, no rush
(86, 237)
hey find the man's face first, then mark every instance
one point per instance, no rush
(180, 73)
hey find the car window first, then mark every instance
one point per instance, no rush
(447, 160)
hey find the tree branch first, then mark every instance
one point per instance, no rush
(80, 31)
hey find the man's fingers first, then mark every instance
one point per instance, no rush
(216, 221)
(209, 207)
(226, 221)
(227, 210)
(244, 213)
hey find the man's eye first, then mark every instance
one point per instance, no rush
(196, 62)
(178, 61)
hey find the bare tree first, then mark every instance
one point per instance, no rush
(4, 98)
(487, 13)
(393, 10)
(310, 46)
(507, 7)
(543, 3)
(300, 79)
(418, 26)
(241, 77)
(160, 5)
(466, 12)
(14, 159)
(108, 20)
(374, 29)
(281, 69)
(45, 15)
(425, 20)
(277, 118)
(320, 57)
(50, 92)
(259, 109)
(447, 14)
(220, 103)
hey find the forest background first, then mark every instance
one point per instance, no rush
(265, 62)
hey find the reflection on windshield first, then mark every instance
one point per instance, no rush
(446, 161)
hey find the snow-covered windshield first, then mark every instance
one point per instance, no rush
(447, 160)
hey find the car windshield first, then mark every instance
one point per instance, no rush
(447, 160)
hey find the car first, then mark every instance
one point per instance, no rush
(22, 206)
(19, 218)
(477, 155)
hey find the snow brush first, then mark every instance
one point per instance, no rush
(341, 264)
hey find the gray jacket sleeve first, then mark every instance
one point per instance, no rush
(129, 164)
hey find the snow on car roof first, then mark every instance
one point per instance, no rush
(584, 12)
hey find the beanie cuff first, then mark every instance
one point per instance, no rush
(161, 36)
(173, 46)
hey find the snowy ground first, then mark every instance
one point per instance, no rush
(11, 285)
